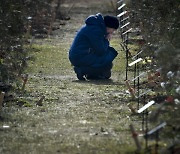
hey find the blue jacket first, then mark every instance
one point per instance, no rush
(90, 47)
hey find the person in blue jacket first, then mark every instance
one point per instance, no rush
(90, 53)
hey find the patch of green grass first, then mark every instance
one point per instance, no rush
(49, 59)
(119, 62)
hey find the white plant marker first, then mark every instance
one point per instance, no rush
(136, 61)
(121, 14)
(146, 106)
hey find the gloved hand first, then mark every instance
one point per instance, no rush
(115, 53)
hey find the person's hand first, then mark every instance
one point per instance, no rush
(108, 37)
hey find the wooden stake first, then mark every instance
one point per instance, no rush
(29, 27)
(151, 79)
(1, 99)
(135, 137)
(133, 110)
(51, 23)
(131, 90)
(39, 103)
(25, 78)
(53, 17)
(31, 42)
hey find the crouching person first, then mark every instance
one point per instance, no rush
(90, 53)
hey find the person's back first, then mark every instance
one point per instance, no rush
(90, 52)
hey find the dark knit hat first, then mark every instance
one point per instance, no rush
(111, 21)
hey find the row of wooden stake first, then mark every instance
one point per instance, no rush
(152, 78)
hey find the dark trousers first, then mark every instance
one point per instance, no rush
(96, 72)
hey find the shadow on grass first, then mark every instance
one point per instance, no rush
(100, 82)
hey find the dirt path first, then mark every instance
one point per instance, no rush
(76, 117)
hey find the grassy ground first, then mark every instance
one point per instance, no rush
(76, 117)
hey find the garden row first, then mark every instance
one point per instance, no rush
(149, 32)
(20, 23)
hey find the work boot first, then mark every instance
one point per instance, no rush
(106, 74)
(102, 76)
(79, 73)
